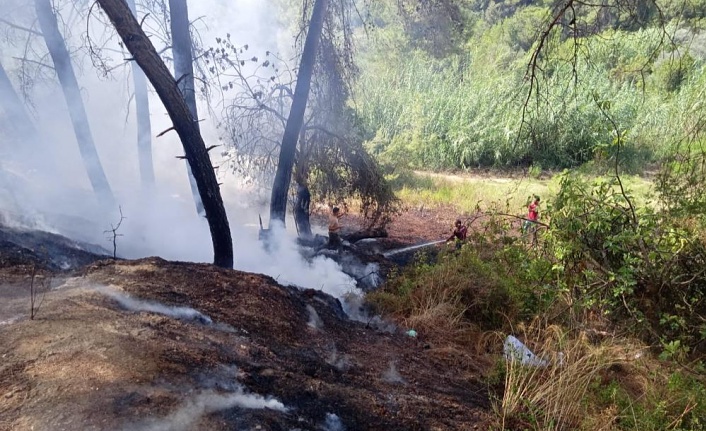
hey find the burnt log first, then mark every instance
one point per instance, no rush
(378, 232)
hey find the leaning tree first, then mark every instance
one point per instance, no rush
(184, 123)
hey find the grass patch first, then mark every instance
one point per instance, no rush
(552, 397)
(595, 383)
(483, 286)
(469, 194)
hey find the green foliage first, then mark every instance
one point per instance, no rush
(671, 74)
(607, 258)
(469, 108)
(639, 268)
(682, 183)
(523, 27)
(654, 400)
(476, 287)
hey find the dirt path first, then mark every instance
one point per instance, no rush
(470, 178)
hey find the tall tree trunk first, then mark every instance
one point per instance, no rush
(16, 112)
(144, 125)
(72, 94)
(184, 123)
(184, 72)
(283, 177)
(301, 210)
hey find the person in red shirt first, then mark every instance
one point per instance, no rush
(533, 209)
(530, 225)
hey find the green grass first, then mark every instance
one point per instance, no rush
(469, 193)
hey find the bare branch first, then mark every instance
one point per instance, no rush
(165, 132)
(19, 27)
(38, 63)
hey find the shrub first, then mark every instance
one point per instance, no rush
(642, 270)
(487, 284)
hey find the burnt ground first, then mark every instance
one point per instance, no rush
(86, 362)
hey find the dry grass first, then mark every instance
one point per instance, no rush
(555, 397)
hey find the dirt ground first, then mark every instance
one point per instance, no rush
(411, 226)
(266, 356)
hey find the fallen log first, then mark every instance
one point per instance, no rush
(378, 232)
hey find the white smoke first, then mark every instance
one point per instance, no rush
(391, 375)
(205, 403)
(10, 321)
(353, 305)
(340, 362)
(132, 304)
(333, 423)
(314, 319)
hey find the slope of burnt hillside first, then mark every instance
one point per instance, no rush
(157, 345)
(49, 251)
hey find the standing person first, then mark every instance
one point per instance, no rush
(530, 225)
(334, 227)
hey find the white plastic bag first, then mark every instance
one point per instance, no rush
(515, 350)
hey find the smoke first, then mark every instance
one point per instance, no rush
(49, 188)
(340, 362)
(132, 304)
(333, 423)
(314, 319)
(391, 375)
(206, 402)
(354, 306)
(10, 321)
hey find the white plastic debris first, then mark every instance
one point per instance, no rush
(515, 350)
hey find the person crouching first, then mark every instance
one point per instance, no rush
(459, 234)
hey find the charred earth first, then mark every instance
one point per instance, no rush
(158, 345)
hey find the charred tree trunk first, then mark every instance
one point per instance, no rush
(301, 211)
(196, 154)
(72, 93)
(184, 73)
(283, 177)
(144, 124)
(16, 112)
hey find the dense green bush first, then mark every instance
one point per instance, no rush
(639, 267)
